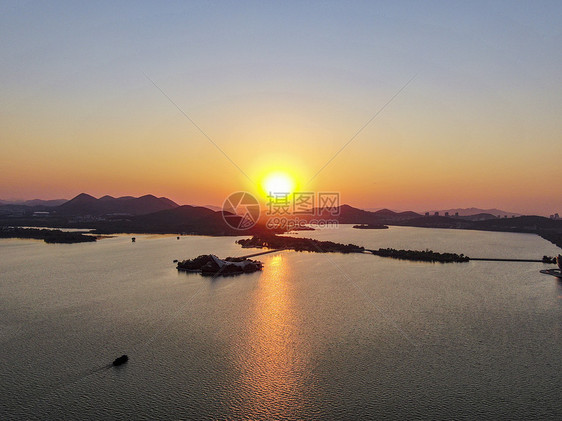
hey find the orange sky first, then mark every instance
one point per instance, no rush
(478, 126)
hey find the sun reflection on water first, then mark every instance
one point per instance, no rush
(270, 366)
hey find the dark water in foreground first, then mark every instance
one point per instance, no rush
(311, 337)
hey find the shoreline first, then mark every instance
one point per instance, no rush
(49, 236)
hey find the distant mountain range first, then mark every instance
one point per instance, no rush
(351, 215)
(145, 214)
(151, 214)
(87, 204)
(84, 204)
(346, 214)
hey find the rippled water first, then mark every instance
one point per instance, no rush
(311, 337)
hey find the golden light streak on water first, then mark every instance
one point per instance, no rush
(270, 368)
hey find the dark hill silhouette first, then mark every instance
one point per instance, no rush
(187, 219)
(82, 199)
(479, 217)
(408, 215)
(349, 215)
(345, 214)
(182, 219)
(385, 213)
(85, 204)
(547, 228)
(518, 224)
(524, 223)
(382, 215)
(176, 215)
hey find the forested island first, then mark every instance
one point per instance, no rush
(47, 235)
(272, 241)
(209, 264)
(421, 256)
(316, 246)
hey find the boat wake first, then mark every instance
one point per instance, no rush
(64, 383)
(553, 272)
(97, 370)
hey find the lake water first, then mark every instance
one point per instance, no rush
(313, 336)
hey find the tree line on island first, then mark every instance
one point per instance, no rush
(370, 226)
(316, 246)
(211, 265)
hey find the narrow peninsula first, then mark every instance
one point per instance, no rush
(316, 246)
(273, 241)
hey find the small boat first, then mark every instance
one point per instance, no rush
(120, 360)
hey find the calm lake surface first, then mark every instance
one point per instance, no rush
(313, 336)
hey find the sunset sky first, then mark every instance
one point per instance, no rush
(282, 86)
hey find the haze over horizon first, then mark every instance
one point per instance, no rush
(282, 87)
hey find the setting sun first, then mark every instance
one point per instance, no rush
(278, 182)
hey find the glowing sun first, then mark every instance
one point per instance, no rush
(277, 183)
